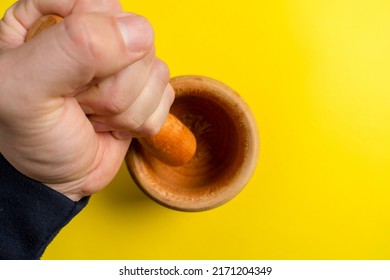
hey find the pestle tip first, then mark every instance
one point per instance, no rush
(174, 145)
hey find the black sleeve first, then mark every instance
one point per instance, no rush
(31, 214)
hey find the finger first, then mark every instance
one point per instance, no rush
(115, 94)
(154, 123)
(75, 51)
(21, 16)
(142, 108)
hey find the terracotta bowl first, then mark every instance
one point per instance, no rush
(226, 155)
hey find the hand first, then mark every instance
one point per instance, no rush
(73, 96)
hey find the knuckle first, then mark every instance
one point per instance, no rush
(115, 108)
(134, 124)
(149, 128)
(76, 31)
(162, 71)
(170, 94)
(78, 45)
(87, 36)
(115, 105)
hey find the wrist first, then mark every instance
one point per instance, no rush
(30, 211)
(70, 190)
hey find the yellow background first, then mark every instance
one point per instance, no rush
(317, 76)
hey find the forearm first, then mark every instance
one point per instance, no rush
(31, 214)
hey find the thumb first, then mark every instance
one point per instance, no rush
(70, 54)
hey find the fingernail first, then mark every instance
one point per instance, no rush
(137, 32)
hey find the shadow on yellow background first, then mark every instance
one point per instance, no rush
(317, 77)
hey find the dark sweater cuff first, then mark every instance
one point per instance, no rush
(31, 214)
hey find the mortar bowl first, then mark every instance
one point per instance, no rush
(226, 155)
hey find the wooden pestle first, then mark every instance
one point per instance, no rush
(174, 144)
